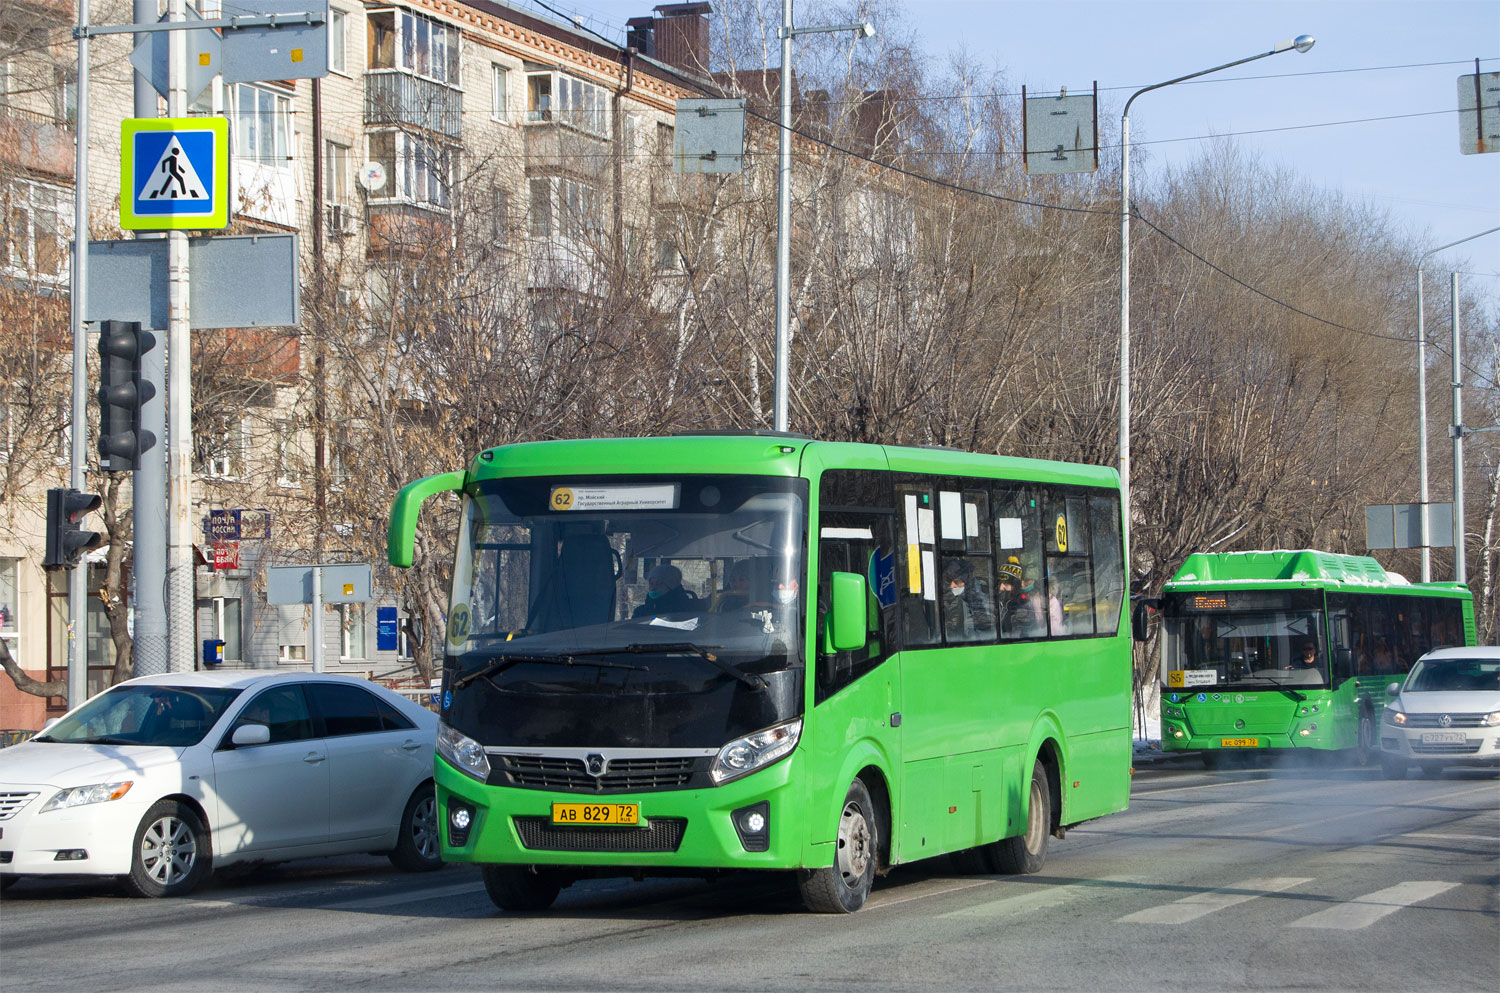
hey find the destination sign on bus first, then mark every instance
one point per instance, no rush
(662, 496)
(1182, 678)
(1210, 603)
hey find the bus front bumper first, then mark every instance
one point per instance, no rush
(709, 828)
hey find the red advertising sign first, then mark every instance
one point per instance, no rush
(226, 555)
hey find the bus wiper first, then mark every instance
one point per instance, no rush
(750, 679)
(507, 661)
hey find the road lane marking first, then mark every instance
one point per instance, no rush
(411, 896)
(1041, 899)
(1206, 786)
(1190, 908)
(1366, 910)
(1452, 837)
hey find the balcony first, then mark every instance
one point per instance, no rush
(556, 147)
(395, 98)
(38, 142)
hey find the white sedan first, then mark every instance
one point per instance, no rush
(161, 779)
(1447, 713)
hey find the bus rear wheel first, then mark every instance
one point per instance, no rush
(1026, 853)
(843, 887)
(520, 888)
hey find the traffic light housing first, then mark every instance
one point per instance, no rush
(121, 393)
(66, 538)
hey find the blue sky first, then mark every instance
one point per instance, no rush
(1368, 114)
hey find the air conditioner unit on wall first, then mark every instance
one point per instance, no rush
(341, 220)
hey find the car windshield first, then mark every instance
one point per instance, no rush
(1252, 638)
(170, 716)
(1454, 675)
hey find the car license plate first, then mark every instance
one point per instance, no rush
(1443, 738)
(1239, 742)
(596, 813)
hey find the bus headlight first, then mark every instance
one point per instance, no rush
(755, 751)
(463, 752)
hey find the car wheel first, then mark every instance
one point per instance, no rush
(1392, 768)
(1027, 853)
(843, 887)
(417, 845)
(6, 882)
(170, 856)
(520, 888)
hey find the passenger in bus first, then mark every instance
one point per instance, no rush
(736, 595)
(965, 613)
(664, 594)
(1024, 616)
(1382, 661)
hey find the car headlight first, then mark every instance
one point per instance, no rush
(755, 751)
(80, 795)
(1491, 719)
(1395, 717)
(463, 752)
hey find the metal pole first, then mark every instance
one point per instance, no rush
(149, 481)
(1460, 565)
(1422, 495)
(315, 632)
(78, 653)
(1301, 44)
(180, 581)
(784, 223)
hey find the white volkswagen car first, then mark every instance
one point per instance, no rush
(1447, 713)
(161, 779)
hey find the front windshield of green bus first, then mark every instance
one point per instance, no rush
(644, 611)
(1244, 638)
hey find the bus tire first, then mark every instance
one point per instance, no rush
(1392, 768)
(1211, 759)
(843, 887)
(1026, 853)
(521, 888)
(1368, 749)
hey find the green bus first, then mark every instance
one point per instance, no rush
(760, 651)
(1293, 649)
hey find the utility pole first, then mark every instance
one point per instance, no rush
(181, 592)
(78, 582)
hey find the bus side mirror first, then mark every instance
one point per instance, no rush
(847, 623)
(401, 534)
(1140, 617)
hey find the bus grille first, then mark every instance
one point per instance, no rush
(1467, 748)
(540, 772)
(1435, 720)
(661, 834)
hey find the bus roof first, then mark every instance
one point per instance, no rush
(1302, 567)
(761, 453)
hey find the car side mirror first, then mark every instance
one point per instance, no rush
(50, 721)
(1393, 689)
(250, 734)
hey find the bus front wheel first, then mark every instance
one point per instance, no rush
(843, 887)
(1026, 853)
(521, 887)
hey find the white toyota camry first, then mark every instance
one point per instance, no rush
(161, 779)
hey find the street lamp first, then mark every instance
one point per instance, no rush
(1422, 403)
(1301, 43)
(784, 199)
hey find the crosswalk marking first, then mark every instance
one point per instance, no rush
(1010, 902)
(1366, 910)
(1190, 908)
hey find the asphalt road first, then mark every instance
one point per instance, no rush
(1245, 879)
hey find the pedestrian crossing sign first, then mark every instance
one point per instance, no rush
(174, 173)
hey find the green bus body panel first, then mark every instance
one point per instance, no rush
(1276, 718)
(929, 729)
(401, 533)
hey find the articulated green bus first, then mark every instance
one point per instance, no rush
(759, 651)
(1293, 649)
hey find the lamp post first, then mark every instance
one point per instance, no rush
(784, 200)
(1301, 43)
(1422, 403)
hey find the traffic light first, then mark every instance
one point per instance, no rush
(121, 393)
(66, 539)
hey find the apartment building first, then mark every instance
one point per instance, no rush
(427, 105)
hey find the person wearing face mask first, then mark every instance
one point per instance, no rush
(965, 614)
(664, 593)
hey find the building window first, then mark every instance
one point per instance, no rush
(224, 624)
(288, 454)
(223, 455)
(571, 208)
(338, 59)
(414, 43)
(65, 95)
(352, 626)
(9, 602)
(498, 81)
(541, 208)
(262, 124)
(291, 653)
(38, 225)
(556, 96)
(335, 173)
(418, 169)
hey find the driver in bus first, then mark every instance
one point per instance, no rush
(664, 593)
(1308, 658)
